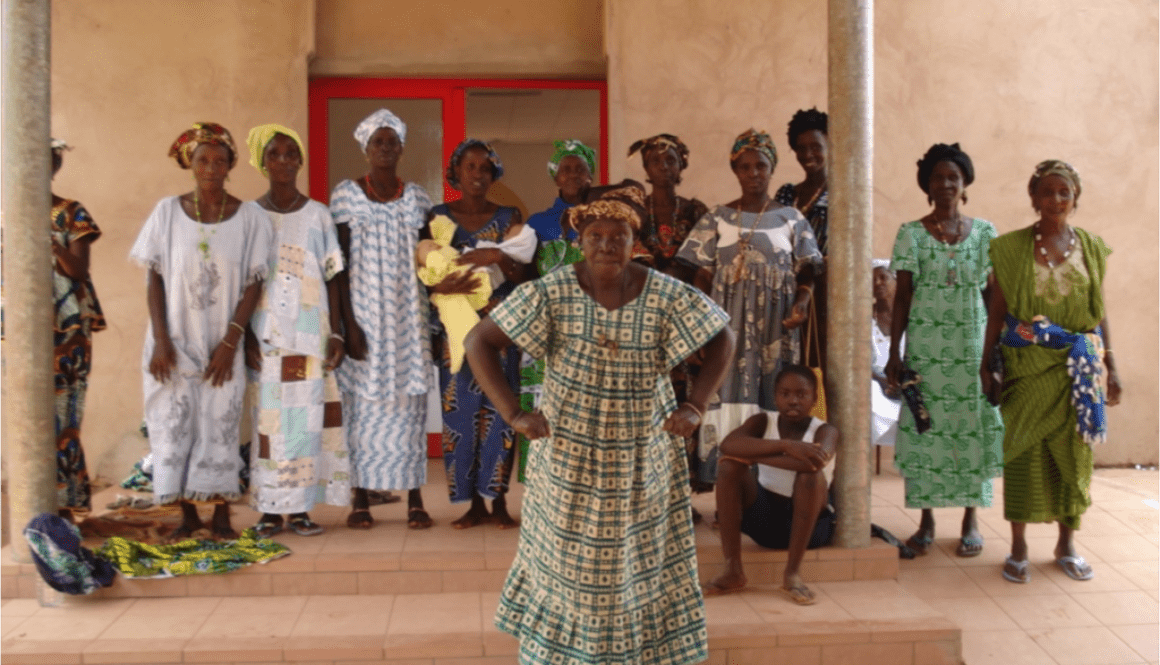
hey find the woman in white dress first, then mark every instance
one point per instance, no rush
(884, 402)
(387, 374)
(298, 455)
(206, 253)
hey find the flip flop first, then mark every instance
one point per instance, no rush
(799, 594)
(266, 529)
(1022, 571)
(969, 546)
(920, 544)
(1076, 568)
(360, 519)
(304, 526)
(713, 589)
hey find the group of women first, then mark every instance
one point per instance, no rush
(620, 363)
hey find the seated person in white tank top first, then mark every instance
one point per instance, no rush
(785, 505)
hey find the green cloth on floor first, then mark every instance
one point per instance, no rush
(189, 557)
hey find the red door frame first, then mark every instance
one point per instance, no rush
(453, 93)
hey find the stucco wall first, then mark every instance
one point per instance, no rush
(497, 38)
(128, 77)
(1014, 83)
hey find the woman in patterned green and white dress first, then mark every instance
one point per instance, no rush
(606, 568)
(943, 268)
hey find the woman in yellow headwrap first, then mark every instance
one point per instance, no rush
(298, 454)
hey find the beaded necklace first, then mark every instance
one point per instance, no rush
(1043, 249)
(203, 245)
(270, 202)
(941, 238)
(814, 199)
(375, 192)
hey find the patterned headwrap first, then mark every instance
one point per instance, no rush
(571, 148)
(941, 152)
(661, 142)
(202, 132)
(260, 137)
(457, 156)
(751, 139)
(372, 123)
(1059, 168)
(624, 204)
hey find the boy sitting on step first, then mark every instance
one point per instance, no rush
(785, 504)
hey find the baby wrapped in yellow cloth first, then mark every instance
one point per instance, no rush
(437, 259)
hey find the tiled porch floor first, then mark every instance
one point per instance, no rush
(1111, 620)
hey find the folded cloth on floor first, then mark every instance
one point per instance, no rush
(189, 557)
(65, 566)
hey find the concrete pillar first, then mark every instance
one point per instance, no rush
(851, 159)
(29, 441)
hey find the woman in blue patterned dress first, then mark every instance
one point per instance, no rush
(386, 376)
(606, 568)
(477, 442)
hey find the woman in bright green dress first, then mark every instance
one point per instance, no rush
(943, 268)
(1054, 270)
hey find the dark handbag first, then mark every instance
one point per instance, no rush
(909, 380)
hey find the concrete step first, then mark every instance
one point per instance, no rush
(870, 623)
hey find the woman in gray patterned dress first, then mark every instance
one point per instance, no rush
(606, 569)
(757, 259)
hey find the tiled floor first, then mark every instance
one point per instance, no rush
(1053, 620)
(1111, 620)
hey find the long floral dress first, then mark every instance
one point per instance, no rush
(755, 263)
(477, 444)
(78, 316)
(384, 398)
(1047, 465)
(298, 453)
(952, 463)
(606, 570)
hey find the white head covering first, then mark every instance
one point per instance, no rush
(372, 123)
(881, 263)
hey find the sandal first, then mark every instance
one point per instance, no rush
(417, 518)
(304, 526)
(1076, 567)
(799, 593)
(920, 543)
(360, 519)
(713, 589)
(969, 546)
(1022, 571)
(265, 528)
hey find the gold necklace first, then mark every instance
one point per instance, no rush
(804, 209)
(740, 267)
(375, 192)
(203, 245)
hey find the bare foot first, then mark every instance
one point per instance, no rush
(473, 517)
(220, 525)
(725, 583)
(501, 518)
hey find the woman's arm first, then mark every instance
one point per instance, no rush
(903, 294)
(73, 261)
(334, 345)
(718, 353)
(483, 345)
(164, 358)
(356, 341)
(801, 302)
(992, 382)
(747, 445)
(1114, 388)
(221, 363)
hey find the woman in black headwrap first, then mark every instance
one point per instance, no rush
(943, 267)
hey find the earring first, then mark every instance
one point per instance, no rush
(964, 196)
